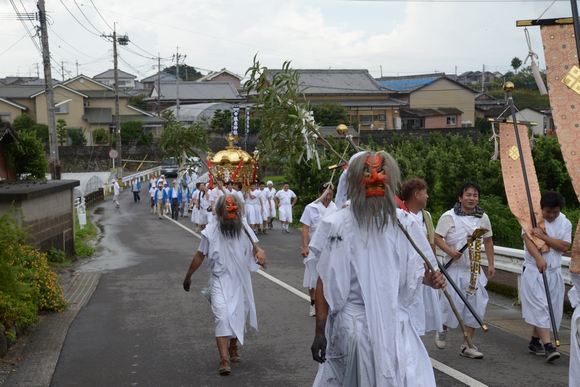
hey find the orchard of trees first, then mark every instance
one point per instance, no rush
(445, 162)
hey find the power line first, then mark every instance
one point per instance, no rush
(26, 27)
(77, 20)
(23, 36)
(67, 43)
(94, 6)
(96, 29)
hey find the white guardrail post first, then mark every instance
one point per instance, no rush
(512, 261)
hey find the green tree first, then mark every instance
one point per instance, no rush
(221, 121)
(41, 131)
(61, 132)
(255, 125)
(176, 139)
(168, 115)
(131, 131)
(138, 102)
(27, 158)
(76, 136)
(186, 73)
(516, 63)
(330, 113)
(23, 123)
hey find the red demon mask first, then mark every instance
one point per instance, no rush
(231, 208)
(375, 176)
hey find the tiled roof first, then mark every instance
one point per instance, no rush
(165, 77)
(430, 112)
(19, 91)
(407, 85)
(110, 74)
(337, 81)
(201, 91)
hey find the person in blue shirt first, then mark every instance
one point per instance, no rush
(160, 196)
(136, 188)
(183, 197)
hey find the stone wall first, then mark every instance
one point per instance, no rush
(96, 158)
(47, 211)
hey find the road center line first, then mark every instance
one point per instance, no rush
(436, 364)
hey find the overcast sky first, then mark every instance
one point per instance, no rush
(401, 37)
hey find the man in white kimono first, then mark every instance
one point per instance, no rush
(230, 259)
(425, 311)
(285, 200)
(451, 234)
(368, 277)
(270, 205)
(558, 235)
(311, 217)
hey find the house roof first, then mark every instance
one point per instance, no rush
(81, 93)
(15, 92)
(6, 130)
(375, 103)
(165, 77)
(201, 91)
(214, 74)
(408, 84)
(110, 74)
(194, 112)
(104, 116)
(336, 81)
(430, 112)
(17, 105)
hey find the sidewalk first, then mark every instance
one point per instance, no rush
(31, 362)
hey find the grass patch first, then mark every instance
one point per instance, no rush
(277, 180)
(504, 290)
(83, 236)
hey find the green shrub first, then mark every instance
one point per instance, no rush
(55, 255)
(27, 283)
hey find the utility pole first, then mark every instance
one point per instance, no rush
(37, 71)
(77, 63)
(62, 69)
(55, 168)
(123, 41)
(177, 57)
(158, 84)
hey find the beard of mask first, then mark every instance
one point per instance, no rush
(373, 211)
(229, 227)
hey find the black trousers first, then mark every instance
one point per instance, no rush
(174, 208)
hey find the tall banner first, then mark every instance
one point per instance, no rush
(247, 127)
(515, 187)
(563, 77)
(235, 121)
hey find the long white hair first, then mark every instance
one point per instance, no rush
(374, 211)
(231, 227)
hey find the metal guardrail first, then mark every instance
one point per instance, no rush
(512, 261)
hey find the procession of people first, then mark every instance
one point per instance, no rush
(366, 270)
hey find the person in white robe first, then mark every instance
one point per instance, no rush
(285, 200)
(270, 205)
(557, 235)
(201, 211)
(230, 258)
(574, 297)
(311, 217)
(264, 210)
(451, 234)
(368, 277)
(425, 311)
(253, 203)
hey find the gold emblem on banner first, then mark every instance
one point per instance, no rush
(514, 153)
(572, 79)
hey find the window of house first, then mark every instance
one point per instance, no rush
(5, 117)
(451, 121)
(122, 83)
(366, 119)
(382, 117)
(61, 109)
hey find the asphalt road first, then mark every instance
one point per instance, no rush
(140, 328)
